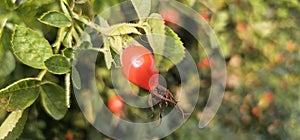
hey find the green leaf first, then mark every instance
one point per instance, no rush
(76, 80)
(130, 41)
(156, 35)
(55, 19)
(30, 48)
(167, 46)
(54, 100)
(20, 94)
(107, 54)
(173, 51)
(67, 40)
(116, 43)
(68, 52)
(142, 8)
(156, 23)
(13, 125)
(122, 29)
(7, 64)
(58, 64)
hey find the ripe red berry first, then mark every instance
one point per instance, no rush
(206, 16)
(269, 97)
(69, 135)
(241, 26)
(205, 63)
(115, 104)
(138, 66)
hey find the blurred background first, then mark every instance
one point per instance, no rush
(259, 40)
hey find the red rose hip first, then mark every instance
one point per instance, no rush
(139, 67)
(115, 104)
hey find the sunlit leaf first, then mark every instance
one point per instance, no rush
(122, 29)
(116, 43)
(20, 94)
(156, 35)
(174, 51)
(56, 19)
(30, 48)
(156, 23)
(13, 125)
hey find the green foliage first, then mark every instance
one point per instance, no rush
(58, 64)
(20, 95)
(53, 100)
(68, 52)
(30, 47)
(14, 124)
(259, 39)
(156, 36)
(142, 8)
(166, 44)
(174, 50)
(122, 29)
(56, 19)
(7, 63)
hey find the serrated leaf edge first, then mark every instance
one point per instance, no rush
(18, 117)
(177, 39)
